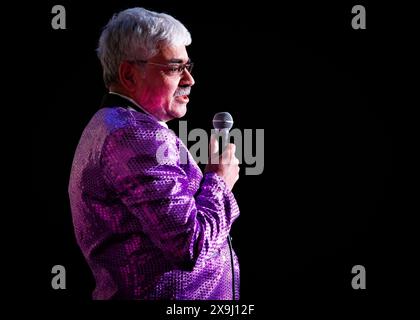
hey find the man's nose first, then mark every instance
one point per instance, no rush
(187, 78)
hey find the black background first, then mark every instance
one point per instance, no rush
(299, 71)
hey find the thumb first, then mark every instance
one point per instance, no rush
(214, 145)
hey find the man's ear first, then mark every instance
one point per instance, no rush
(127, 76)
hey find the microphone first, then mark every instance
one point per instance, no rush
(222, 123)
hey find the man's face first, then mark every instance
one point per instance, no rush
(163, 90)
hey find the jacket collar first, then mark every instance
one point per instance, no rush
(114, 100)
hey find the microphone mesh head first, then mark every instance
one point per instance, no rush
(222, 120)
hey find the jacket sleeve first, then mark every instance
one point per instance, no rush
(182, 222)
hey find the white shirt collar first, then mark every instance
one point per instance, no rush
(140, 107)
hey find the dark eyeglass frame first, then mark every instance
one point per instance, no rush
(177, 68)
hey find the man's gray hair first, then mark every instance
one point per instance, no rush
(137, 34)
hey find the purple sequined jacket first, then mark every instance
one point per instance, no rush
(149, 228)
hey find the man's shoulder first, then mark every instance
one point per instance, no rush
(119, 118)
(122, 124)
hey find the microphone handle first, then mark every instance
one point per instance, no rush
(224, 133)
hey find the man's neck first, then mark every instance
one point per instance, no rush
(137, 105)
(118, 89)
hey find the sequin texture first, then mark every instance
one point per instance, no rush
(149, 230)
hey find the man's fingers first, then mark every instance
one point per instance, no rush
(228, 156)
(232, 148)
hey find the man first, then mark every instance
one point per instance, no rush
(151, 226)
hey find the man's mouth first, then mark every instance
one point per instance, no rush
(183, 99)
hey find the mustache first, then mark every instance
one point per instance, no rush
(182, 91)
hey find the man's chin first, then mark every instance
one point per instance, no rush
(180, 110)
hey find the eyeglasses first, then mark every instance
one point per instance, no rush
(171, 68)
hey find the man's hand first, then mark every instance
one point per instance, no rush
(225, 165)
